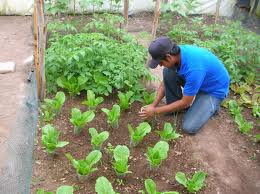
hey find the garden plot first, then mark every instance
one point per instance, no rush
(186, 154)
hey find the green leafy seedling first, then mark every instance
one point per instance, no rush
(150, 188)
(149, 97)
(120, 164)
(243, 125)
(234, 108)
(85, 166)
(52, 107)
(103, 186)
(92, 102)
(97, 139)
(256, 110)
(50, 139)
(79, 120)
(125, 99)
(137, 135)
(64, 189)
(113, 115)
(168, 133)
(157, 154)
(194, 184)
(257, 138)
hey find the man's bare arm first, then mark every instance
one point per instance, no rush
(185, 102)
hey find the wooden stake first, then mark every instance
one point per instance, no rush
(36, 56)
(217, 10)
(157, 12)
(126, 7)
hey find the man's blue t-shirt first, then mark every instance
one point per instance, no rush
(203, 72)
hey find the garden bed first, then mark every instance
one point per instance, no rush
(51, 172)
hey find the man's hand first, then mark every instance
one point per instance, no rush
(147, 111)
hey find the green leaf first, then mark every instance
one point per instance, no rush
(65, 190)
(139, 133)
(181, 178)
(198, 180)
(93, 157)
(103, 186)
(150, 186)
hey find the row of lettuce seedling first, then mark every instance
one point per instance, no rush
(119, 154)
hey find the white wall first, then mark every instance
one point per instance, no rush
(16, 7)
(25, 7)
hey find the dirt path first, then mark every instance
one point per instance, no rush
(219, 147)
(16, 45)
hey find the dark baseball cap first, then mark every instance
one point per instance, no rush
(158, 49)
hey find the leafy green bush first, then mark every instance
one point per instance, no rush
(50, 139)
(194, 184)
(94, 61)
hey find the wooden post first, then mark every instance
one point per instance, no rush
(217, 10)
(157, 12)
(36, 56)
(126, 7)
(40, 32)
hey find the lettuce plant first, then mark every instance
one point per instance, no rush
(92, 102)
(149, 97)
(79, 120)
(137, 135)
(168, 133)
(150, 188)
(157, 154)
(97, 139)
(257, 138)
(120, 164)
(125, 99)
(194, 184)
(113, 115)
(50, 139)
(64, 189)
(85, 166)
(103, 186)
(52, 107)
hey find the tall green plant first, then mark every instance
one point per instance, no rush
(120, 164)
(92, 102)
(97, 139)
(137, 134)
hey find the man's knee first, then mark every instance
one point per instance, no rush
(189, 128)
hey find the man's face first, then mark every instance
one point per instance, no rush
(169, 62)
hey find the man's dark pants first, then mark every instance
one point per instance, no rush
(203, 107)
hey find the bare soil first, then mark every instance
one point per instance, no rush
(231, 159)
